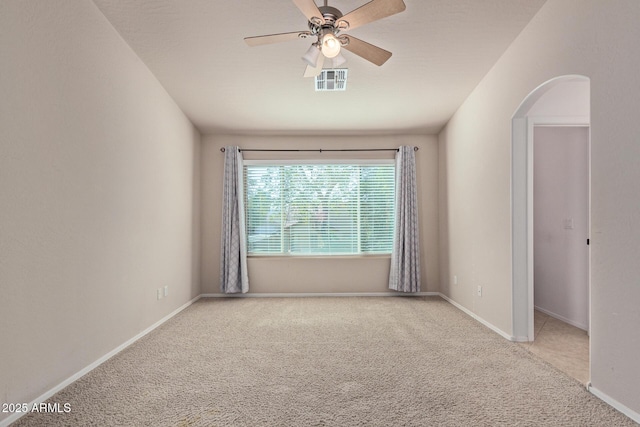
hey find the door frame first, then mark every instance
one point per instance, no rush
(522, 204)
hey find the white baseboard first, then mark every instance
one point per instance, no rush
(479, 319)
(520, 339)
(319, 294)
(635, 416)
(42, 398)
(562, 318)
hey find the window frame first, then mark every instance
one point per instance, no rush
(332, 161)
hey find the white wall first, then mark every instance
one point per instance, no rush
(318, 274)
(561, 222)
(99, 189)
(587, 37)
(566, 99)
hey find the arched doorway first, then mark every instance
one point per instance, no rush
(562, 101)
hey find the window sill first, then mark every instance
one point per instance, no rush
(319, 256)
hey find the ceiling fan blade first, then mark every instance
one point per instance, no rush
(314, 71)
(276, 38)
(372, 11)
(366, 50)
(310, 10)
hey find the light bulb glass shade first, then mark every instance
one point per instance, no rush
(330, 46)
(338, 60)
(312, 55)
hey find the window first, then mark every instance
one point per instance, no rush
(319, 208)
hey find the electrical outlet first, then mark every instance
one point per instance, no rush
(479, 291)
(166, 291)
(159, 293)
(455, 280)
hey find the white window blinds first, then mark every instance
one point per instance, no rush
(319, 209)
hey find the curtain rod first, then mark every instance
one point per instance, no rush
(320, 150)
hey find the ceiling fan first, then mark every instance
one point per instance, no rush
(326, 23)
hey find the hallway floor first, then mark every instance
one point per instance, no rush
(562, 345)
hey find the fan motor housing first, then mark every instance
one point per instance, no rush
(331, 16)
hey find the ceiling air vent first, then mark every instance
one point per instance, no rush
(332, 79)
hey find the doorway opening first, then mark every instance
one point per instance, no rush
(561, 223)
(561, 102)
(560, 250)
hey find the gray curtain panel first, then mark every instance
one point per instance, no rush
(234, 276)
(405, 258)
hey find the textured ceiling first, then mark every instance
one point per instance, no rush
(441, 50)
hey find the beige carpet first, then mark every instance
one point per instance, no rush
(326, 362)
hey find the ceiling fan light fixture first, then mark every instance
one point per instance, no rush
(330, 45)
(312, 55)
(327, 23)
